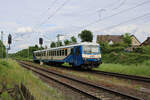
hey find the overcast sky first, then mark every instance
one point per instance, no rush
(27, 20)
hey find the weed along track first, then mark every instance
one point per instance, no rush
(87, 89)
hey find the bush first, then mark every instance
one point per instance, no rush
(143, 50)
(106, 48)
(125, 58)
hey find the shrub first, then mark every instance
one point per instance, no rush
(125, 58)
(143, 50)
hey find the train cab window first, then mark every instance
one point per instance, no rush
(66, 52)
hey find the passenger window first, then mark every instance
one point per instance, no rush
(63, 53)
(59, 52)
(54, 53)
(66, 52)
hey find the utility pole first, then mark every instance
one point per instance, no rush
(2, 42)
(58, 39)
(41, 43)
(29, 52)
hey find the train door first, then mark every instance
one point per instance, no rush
(77, 56)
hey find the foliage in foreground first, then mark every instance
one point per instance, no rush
(11, 73)
(2, 52)
(142, 69)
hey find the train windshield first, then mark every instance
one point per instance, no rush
(90, 49)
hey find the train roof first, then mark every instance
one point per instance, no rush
(68, 46)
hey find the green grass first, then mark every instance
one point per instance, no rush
(11, 73)
(142, 69)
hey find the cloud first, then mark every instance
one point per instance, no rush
(23, 46)
(24, 30)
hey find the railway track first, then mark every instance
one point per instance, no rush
(88, 89)
(131, 77)
(125, 76)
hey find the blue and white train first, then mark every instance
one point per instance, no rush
(86, 55)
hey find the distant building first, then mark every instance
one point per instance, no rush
(112, 39)
(146, 42)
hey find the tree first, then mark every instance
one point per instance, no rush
(127, 39)
(86, 36)
(53, 45)
(73, 39)
(67, 42)
(59, 43)
(2, 46)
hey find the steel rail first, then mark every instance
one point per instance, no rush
(132, 77)
(125, 76)
(89, 84)
(91, 96)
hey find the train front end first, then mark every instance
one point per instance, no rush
(91, 55)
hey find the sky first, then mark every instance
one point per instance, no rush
(28, 20)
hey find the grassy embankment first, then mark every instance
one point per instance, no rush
(142, 69)
(126, 63)
(11, 73)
